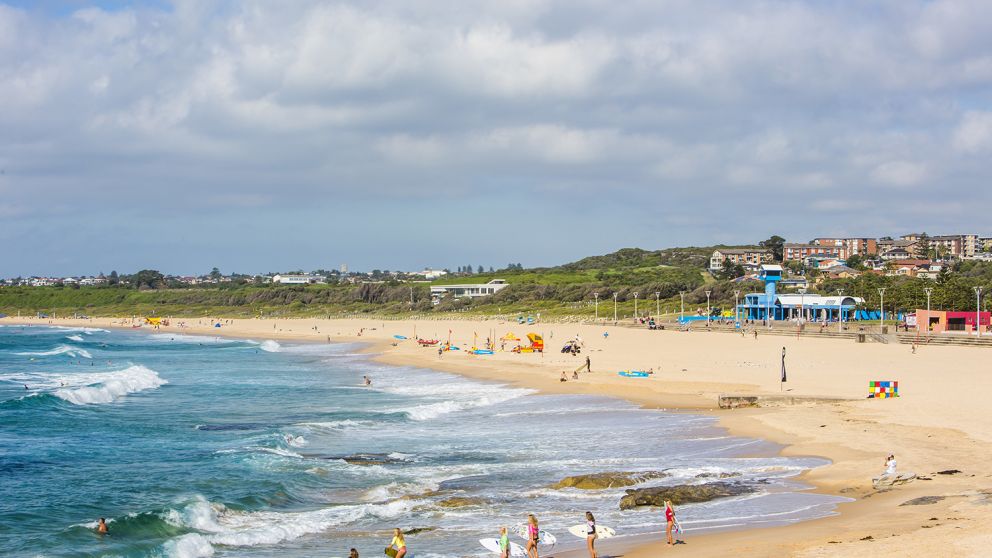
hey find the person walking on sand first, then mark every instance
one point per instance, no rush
(669, 521)
(397, 548)
(533, 536)
(588, 364)
(591, 534)
(504, 543)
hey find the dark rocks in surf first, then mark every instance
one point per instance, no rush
(602, 481)
(456, 502)
(681, 494)
(232, 426)
(362, 458)
(717, 475)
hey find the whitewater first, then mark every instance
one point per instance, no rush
(200, 446)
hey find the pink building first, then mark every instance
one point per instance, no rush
(940, 321)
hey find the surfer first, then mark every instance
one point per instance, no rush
(504, 543)
(368, 381)
(101, 527)
(591, 534)
(669, 521)
(533, 534)
(398, 545)
(353, 553)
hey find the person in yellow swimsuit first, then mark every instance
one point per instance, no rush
(398, 543)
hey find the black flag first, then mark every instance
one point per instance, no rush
(784, 378)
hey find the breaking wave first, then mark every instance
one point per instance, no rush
(108, 387)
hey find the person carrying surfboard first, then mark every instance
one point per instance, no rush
(533, 536)
(669, 521)
(504, 543)
(591, 534)
(397, 548)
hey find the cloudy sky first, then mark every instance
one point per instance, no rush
(259, 135)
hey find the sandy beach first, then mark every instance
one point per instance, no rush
(939, 423)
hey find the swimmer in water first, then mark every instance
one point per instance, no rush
(102, 527)
(368, 381)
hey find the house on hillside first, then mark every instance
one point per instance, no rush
(748, 258)
(475, 290)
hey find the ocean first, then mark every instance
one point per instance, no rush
(197, 446)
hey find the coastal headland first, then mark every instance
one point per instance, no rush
(939, 428)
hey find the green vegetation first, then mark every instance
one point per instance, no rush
(653, 278)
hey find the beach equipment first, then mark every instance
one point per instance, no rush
(536, 342)
(510, 337)
(492, 545)
(400, 337)
(427, 342)
(543, 537)
(633, 374)
(882, 389)
(475, 351)
(602, 531)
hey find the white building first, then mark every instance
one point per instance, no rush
(470, 290)
(431, 274)
(297, 279)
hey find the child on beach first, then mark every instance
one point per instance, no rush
(504, 543)
(533, 535)
(591, 534)
(397, 547)
(669, 521)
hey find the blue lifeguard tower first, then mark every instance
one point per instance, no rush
(758, 306)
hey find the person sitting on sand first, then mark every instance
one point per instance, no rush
(398, 545)
(575, 374)
(890, 466)
(563, 378)
(101, 527)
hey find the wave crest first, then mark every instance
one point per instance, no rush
(110, 386)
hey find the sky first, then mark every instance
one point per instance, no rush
(262, 136)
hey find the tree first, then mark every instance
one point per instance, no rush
(148, 278)
(113, 279)
(855, 262)
(481, 270)
(774, 244)
(923, 246)
(215, 274)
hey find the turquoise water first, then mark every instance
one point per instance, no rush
(199, 446)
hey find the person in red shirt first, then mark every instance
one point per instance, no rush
(669, 521)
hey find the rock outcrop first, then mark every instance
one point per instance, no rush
(681, 494)
(602, 481)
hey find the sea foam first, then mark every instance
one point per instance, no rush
(108, 387)
(69, 350)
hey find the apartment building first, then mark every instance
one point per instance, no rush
(746, 257)
(863, 247)
(799, 252)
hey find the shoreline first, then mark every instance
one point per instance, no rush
(692, 369)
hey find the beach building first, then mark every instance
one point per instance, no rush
(889, 249)
(431, 274)
(475, 290)
(297, 279)
(810, 307)
(941, 321)
(748, 258)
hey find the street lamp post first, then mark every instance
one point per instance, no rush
(657, 306)
(708, 311)
(635, 304)
(929, 291)
(682, 306)
(881, 306)
(596, 296)
(737, 308)
(614, 307)
(978, 310)
(802, 305)
(840, 310)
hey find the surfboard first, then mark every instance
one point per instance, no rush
(492, 545)
(400, 337)
(677, 526)
(544, 537)
(602, 531)
(632, 374)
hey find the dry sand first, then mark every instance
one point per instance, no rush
(942, 420)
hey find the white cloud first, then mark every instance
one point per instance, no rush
(974, 133)
(900, 173)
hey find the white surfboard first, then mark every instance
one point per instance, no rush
(492, 545)
(602, 531)
(544, 537)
